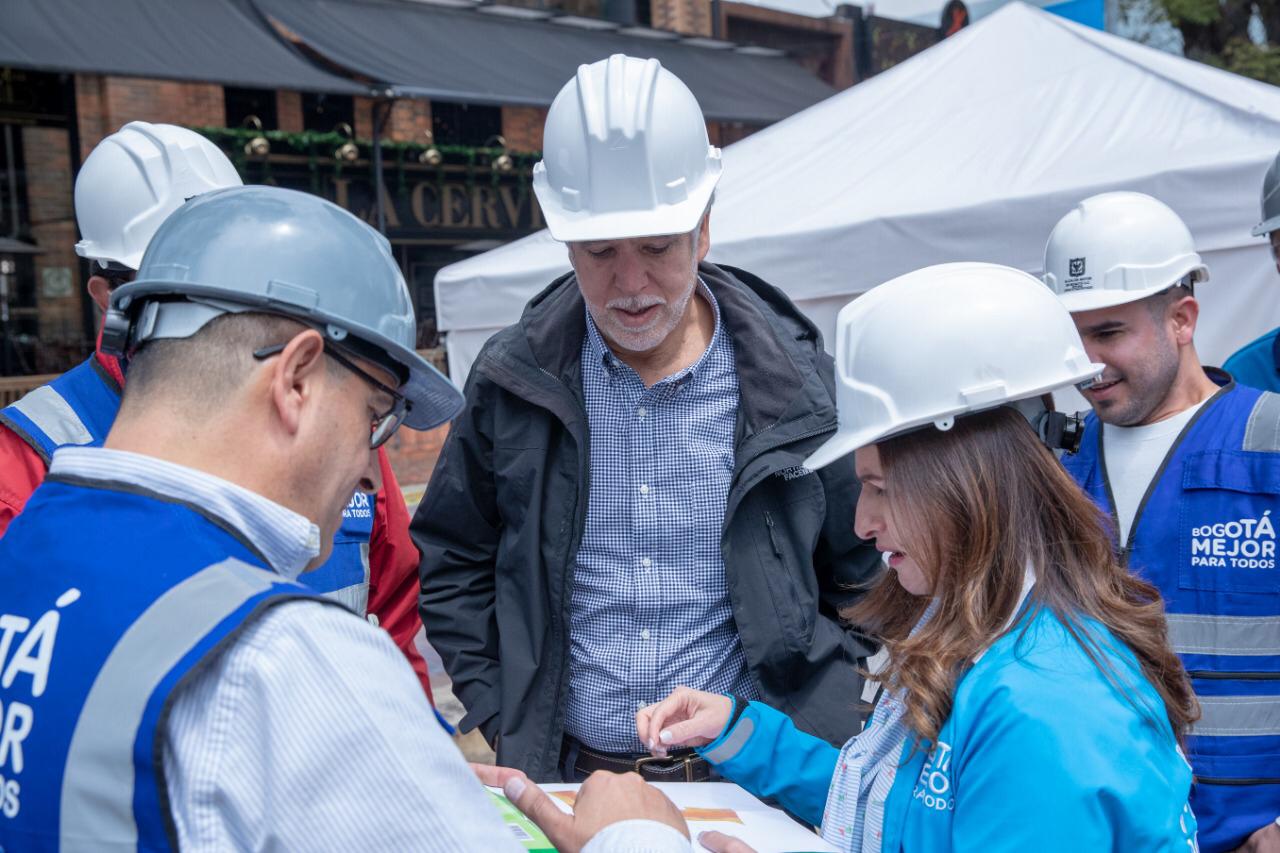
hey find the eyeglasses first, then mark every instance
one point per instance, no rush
(383, 426)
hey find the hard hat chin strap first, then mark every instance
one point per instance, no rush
(1058, 430)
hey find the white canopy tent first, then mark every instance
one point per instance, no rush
(971, 150)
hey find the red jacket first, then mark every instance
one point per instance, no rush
(393, 558)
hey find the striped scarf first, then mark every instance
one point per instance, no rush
(854, 816)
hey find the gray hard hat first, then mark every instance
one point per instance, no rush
(266, 249)
(1270, 200)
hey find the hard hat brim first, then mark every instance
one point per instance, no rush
(586, 226)
(1266, 226)
(89, 252)
(847, 440)
(435, 400)
(1080, 301)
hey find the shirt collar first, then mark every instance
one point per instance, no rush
(287, 540)
(600, 348)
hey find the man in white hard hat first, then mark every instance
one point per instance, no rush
(1257, 363)
(129, 184)
(621, 507)
(1187, 464)
(170, 685)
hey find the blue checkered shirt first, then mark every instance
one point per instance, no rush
(650, 607)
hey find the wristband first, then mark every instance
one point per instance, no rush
(740, 705)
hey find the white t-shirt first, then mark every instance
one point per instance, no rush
(1133, 456)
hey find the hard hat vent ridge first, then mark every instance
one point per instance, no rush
(627, 154)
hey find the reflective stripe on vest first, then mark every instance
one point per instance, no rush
(76, 408)
(1238, 716)
(1262, 432)
(1206, 535)
(54, 416)
(356, 596)
(98, 785)
(1234, 636)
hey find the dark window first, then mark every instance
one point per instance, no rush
(242, 103)
(13, 191)
(464, 124)
(632, 13)
(322, 113)
(35, 96)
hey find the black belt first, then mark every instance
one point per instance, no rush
(681, 765)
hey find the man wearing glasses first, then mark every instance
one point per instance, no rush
(131, 182)
(170, 684)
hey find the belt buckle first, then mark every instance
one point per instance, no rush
(685, 760)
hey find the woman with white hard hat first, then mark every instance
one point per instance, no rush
(1031, 700)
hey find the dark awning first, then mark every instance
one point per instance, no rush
(473, 57)
(217, 41)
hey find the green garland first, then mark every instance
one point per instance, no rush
(319, 147)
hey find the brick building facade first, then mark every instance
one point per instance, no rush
(435, 216)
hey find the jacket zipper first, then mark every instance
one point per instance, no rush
(566, 588)
(1255, 780)
(773, 538)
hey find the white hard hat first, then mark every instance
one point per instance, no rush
(944, 341)
(133, 180)
(625, 154)
(1119, 247)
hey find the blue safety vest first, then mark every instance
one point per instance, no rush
(94, 642)
(1205, 534)
(79, 407)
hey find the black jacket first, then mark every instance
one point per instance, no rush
(503, 515)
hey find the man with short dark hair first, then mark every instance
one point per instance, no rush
(1187, 464)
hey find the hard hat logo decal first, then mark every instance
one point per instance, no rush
(1076, 279)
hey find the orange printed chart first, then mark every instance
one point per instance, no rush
(727, 808)
(689, 812)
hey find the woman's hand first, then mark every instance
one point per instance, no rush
(685, 718)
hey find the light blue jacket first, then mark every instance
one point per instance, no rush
(1040, 752)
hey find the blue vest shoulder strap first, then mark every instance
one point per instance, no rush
(98, 640)
(77, 408)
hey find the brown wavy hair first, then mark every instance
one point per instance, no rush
(973, 506)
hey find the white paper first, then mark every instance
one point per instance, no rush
(766, 829)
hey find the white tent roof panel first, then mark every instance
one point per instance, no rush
(969, 151)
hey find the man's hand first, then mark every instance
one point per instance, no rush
(685, 718)
(718, 842)
(1265, 840)
(605, 798)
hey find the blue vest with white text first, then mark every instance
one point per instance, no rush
(1205, 534)
(111, 600)
(79, 407)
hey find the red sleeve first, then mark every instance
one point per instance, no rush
(21, 471)
(393, 572)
